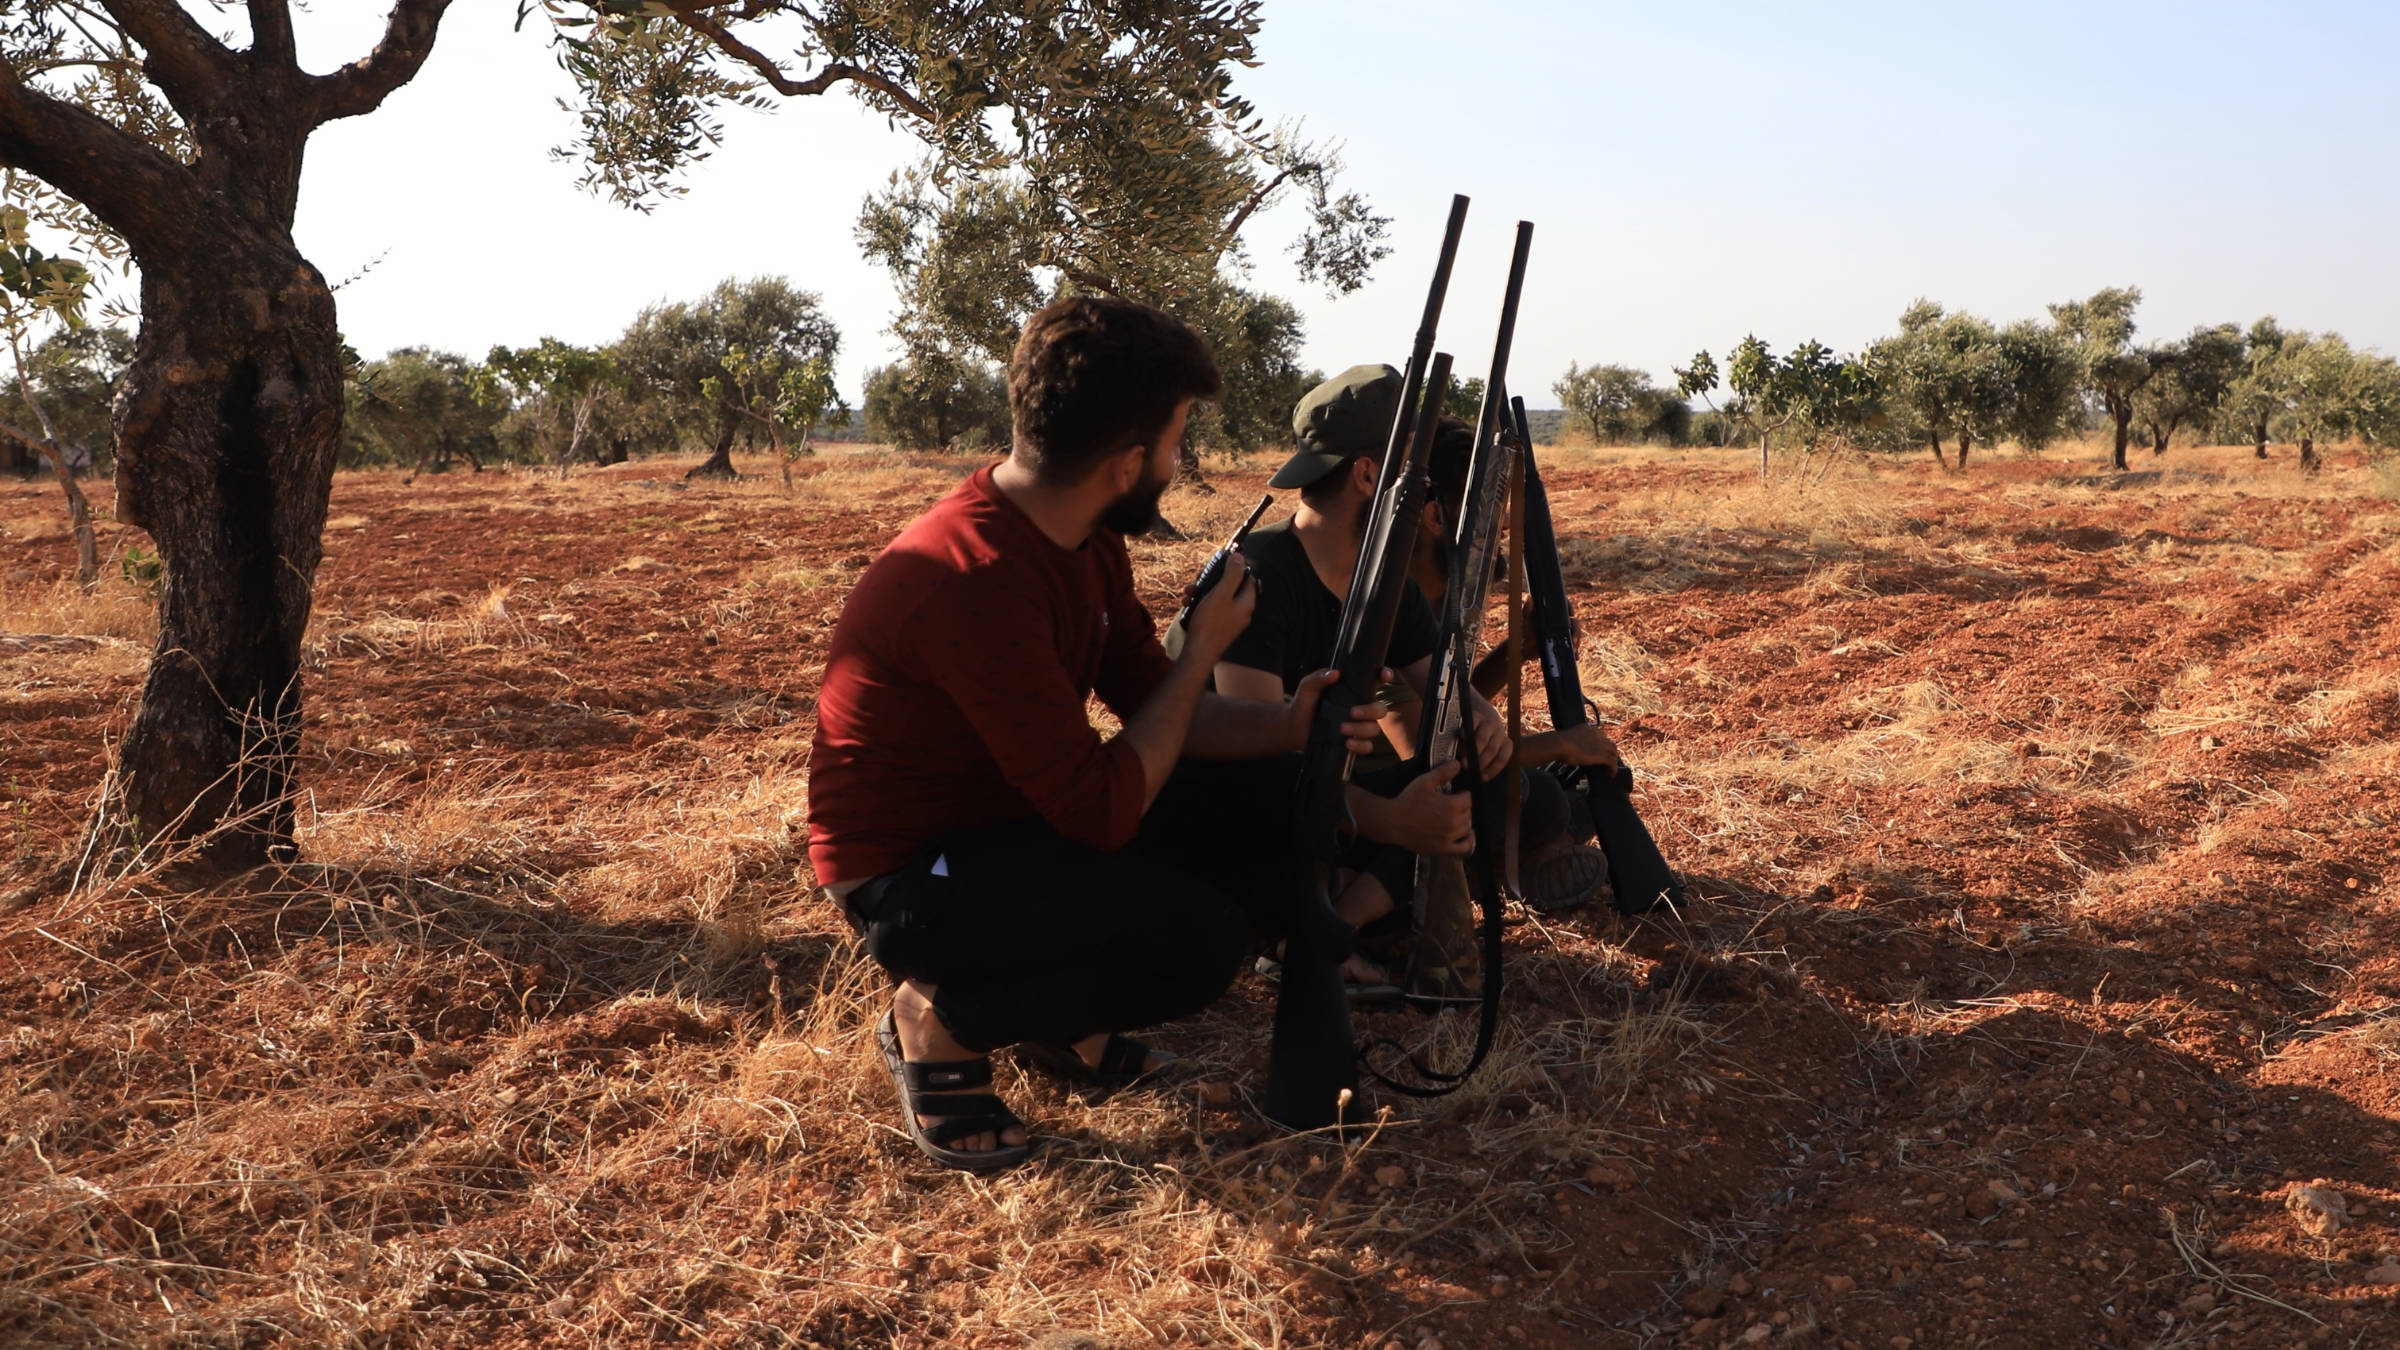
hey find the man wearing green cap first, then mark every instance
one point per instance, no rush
(1304, 564)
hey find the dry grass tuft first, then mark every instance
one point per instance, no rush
(115, 608)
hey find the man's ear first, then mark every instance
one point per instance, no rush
(1125, 467)
(1363, 473)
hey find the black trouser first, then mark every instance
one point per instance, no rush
(1032, 937)
(1231, 824)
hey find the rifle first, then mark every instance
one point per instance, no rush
(1312, 1062)
(1213, 571)
(1636, 869)
(1444, 732)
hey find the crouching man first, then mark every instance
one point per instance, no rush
(961, 807)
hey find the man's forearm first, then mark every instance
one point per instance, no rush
(1370, 815)
(1157, 731)
(1238, 728)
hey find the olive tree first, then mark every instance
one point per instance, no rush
(2114, 370)
(2261, 390)
(1941, 376)
(35, 291)
(1613, 403)
(684, 355)
(2193, 376)
(422, 408)
(181, 150)
(551, 390)
(933, 401)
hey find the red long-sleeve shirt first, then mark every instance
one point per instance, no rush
(956, 683)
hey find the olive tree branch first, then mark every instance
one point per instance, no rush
(192, 68)
(361, 86)
(693, 14)
(140, 192)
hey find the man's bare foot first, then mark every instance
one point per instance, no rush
(923, 1037)
(1360, 970)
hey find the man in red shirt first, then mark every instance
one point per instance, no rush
(961, 806)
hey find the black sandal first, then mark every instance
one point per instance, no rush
(929, 1088)
(1124, 1061)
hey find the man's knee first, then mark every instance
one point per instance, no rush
(1207, 940)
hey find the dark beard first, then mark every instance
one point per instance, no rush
(1136, 512)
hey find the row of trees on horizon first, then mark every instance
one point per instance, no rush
(751, 362)
(1957, 379)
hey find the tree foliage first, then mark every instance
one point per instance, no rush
(2193, 376)
(1821, 396)
(2100, 331)
(75, 370)
(935, 402)
(421, 408)
(677, 353)
(1618, 404)
(551, 390)
(1956, 376)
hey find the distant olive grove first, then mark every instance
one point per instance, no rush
(748, 366)
(1949, 382)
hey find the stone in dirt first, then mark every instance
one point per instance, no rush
(1991, 1199)
(2319, 1210)
(1706, 1302)
(1838, 1285)
(1070, 1340)
(2387, 1273)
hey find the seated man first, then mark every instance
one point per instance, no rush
(961, 806)
(1304, 565)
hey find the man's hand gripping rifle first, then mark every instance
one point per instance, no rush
(1312, 1063)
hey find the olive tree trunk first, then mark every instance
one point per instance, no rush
(227, 427)
(719, 463)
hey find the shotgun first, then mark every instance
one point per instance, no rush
(1213, 571)
(1445, 731)
(1636, 869)
(1312, 1063)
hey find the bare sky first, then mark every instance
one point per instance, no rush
(1695, 172)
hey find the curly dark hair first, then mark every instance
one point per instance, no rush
(1093, 376)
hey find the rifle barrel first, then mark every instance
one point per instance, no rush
(1553, 621)
(1412, 387)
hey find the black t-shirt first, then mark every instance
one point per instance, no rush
(1292, 631)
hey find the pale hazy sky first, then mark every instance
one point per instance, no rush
(1695, 172)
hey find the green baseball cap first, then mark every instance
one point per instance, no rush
(1345, 417)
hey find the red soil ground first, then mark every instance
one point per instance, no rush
(2040, 833)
